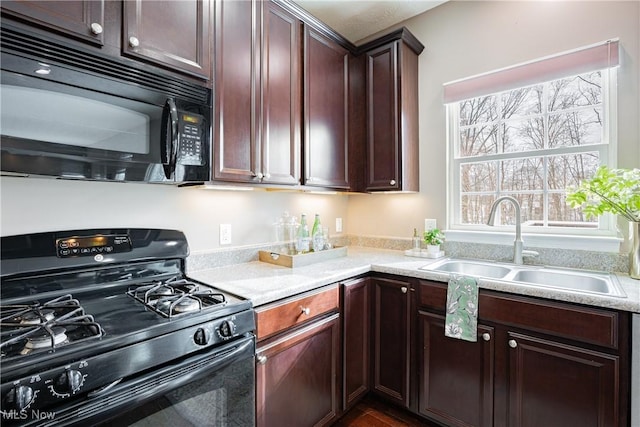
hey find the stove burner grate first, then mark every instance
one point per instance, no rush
(28, 328)
(175, 296)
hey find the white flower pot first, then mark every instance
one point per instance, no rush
(433, 249)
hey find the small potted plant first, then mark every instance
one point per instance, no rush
(433, 239)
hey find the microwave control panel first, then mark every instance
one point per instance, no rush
(190, 147)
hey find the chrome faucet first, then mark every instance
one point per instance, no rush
(517, 242)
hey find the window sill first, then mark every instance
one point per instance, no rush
(588, 243)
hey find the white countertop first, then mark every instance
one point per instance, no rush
(263, 283)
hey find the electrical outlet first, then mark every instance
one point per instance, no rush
(429, 224)
(338, 225)
(225, 234)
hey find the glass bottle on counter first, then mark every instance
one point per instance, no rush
(317, 236)
(303, 240)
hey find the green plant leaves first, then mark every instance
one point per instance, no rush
(610, 190)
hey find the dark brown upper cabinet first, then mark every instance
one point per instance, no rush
(258, 115)
(392, 112)
(82, 20)
(175, 34)
(326, 101)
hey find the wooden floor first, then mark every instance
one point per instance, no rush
(371, 412)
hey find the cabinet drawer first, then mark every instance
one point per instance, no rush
(586, 324)
(279, 316)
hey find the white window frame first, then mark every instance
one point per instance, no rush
(604, 238)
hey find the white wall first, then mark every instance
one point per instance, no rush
(461, 39)
(464, 38)
(30, 205)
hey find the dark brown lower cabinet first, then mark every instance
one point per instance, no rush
(391, 339)
(457, 376)
(297, 376)
(356, 318)
(536, 363)
(558, 385)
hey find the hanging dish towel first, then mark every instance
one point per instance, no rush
(462, 308)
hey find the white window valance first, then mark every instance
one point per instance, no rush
(589, 58)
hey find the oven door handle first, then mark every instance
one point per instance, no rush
(104, 389)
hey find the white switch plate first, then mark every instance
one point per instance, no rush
(338, 225)
(429, 224)
(225, 234)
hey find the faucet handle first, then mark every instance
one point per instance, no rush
(530, 254)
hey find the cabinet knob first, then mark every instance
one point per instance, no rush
(392, 182)
(404, 289)
(267, 175)
(259, 175)
(513, 343)
(261, 359)
(134, 42)
(486, 336)
(96, 28)
(306, 310)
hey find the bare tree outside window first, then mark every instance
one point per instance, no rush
(530, 143)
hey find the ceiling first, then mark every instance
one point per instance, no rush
(358, 19)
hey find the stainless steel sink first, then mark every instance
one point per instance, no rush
(575, 281)
(561, 279)
(470, 268)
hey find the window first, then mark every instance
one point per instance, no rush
(530, 142)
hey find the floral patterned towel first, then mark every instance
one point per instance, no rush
(462, 308)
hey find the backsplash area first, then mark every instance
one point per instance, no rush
(588, 260)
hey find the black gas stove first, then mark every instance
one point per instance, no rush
(87, 313)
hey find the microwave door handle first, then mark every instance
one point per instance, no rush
(169, 143)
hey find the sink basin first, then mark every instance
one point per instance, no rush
(591, 282)
(561, 279)
(470, 268)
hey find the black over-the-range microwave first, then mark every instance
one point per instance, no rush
(69, 113)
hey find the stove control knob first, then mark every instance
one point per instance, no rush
(202, 336)
(226, 329)
(20, 397)
(69, 382)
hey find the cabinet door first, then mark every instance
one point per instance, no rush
(83, 20)
(391, 320)
(281, 89)
(297, 377)
(356, 321)
(326, 86)
(456, 381)
(174, 34)
(237, 97)
(383, 157)
(554, 384)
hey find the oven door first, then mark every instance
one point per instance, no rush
(215, 388)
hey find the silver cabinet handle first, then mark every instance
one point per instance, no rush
(134, 42)
(513, 343)
(96, 28)
(267, 175)
(306, 310)
(392, 182)
(261, 359)
(486, 336)
(259, 175)
(404, 289)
